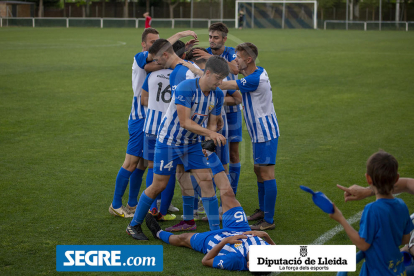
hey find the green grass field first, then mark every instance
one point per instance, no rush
(65, 97)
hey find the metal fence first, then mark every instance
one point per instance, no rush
(110, 22)
(368, 25)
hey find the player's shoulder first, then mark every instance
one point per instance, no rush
(219, 93)
(141, 55)
(209, 50)
(187, 85)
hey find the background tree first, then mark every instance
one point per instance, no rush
(326, 4)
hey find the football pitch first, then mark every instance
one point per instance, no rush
(65, 97)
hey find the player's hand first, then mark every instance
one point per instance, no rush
(355, 192)
(337, 215)
(235, 239)
(191, 43)
(219, 140)
(188, 33)
(200, 53)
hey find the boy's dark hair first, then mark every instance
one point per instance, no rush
(220, 27)
(148, 31)
(249, 48)
(382, 167)
(217, 65)
(190, 55)
(160, 46)
(179, 48)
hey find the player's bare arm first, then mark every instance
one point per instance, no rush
(229, 85)
(179, 35)
(152, 66)
(215, 123)
(234, 99)
(261, 234)
(209, 257)
(234, 69)
(405, 239)
(192, 68)
(184, 116)
(349, 230)
(144, 97)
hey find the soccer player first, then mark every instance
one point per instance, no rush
(134, 167)
(226, 248)
(148, 19)
(385, 223)
(193, 102)
(217, 39)
(261, 122)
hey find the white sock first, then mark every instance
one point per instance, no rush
(158, 234)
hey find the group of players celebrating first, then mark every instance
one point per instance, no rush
(185, 124)
(185, 96)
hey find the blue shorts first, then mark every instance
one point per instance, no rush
(265, 153)
(167, 157)
(234, 121)
(233, 220)
(149, 146)
(223, 153)
(136, 137)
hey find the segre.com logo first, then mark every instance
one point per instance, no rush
(109, 258)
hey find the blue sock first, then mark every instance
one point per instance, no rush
(234, 170)
(211, 206)
(150, 175)
(188, 202)
(164, 236)
(135, 181)
(144, 204)
(120, 186)
(197, 191)
(261, 192)
(270, 199)
(167, 195)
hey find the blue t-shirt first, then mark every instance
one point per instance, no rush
(383, 224)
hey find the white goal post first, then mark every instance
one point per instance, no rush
(252, 2)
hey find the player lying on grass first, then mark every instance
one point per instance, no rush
(385, 223)
(226, 248)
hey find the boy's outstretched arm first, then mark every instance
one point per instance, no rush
(349, 230)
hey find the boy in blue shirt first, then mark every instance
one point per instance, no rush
(385, 223)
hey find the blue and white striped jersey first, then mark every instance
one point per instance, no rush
(259, 112)
(157, 84)
(233, 256)
(138, 77)
(179, 74)
(188, 94)
(228, 54)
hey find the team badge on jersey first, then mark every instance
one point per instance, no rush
(211, 106)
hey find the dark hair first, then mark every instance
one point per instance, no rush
(249, 48)
(148, 31)
(217, 65)
(160, 46)
(382, 167)
(220, 27)
(179, 48)
(190, 55)
(259, 273)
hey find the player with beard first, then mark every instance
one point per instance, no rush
(263, 128)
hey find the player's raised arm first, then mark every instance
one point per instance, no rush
(179, 35)
(234, 69)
